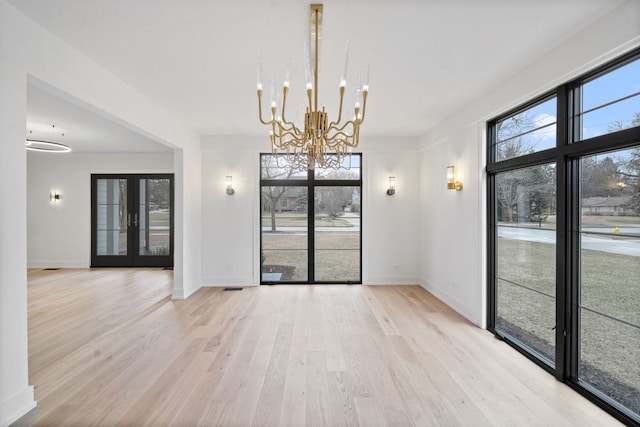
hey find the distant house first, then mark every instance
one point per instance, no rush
(609, 206)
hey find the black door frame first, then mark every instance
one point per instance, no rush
(133, 257)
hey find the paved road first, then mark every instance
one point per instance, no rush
(351, 218)
(589, 241)
(354, 229)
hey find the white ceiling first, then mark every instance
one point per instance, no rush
(52, 118)
(197, 58)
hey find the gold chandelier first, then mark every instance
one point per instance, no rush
(320, 142)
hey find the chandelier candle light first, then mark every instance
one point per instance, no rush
(320, 142)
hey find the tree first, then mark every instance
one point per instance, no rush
(303, 199)
(525, 194)
(522, 193)
(629, 170)
(333, 200)
(158, 193)
(631, 177)
(511, 142)
(599, 177)
(273, 167)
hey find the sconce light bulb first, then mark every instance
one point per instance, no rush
(452, 184)
(391, 190)
(229, 181)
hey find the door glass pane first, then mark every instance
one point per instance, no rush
(526, 132)
(154, 216)
(284, 256)
(609, 275)
(337, 234)
(526, 257)
(611, 102)
(112, 217)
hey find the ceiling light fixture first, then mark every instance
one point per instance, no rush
(46, 146)
(320, 142)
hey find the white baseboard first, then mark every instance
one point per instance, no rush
(177, 294)
(223, 282)
(391, 280)
(454, 303)
(57, 264)
(16, 406)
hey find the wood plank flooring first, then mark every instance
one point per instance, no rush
(109, 347)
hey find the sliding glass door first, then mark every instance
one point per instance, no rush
(131, 220)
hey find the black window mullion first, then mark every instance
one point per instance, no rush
(572, 261)
(311, 229)
(491, 247)
(626, 138)
(562, 311)
(533, 159)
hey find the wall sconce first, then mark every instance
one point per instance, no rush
(452, 184)
(54, 196)
(230, 190)
(392, 186)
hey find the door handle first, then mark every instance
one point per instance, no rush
(128, 220)
(135, 219)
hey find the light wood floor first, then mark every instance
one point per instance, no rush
(109, 347)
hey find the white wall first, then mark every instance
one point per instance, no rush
(59, 234)
(452, 224)
(230, 233)
(390, 223)
(230, 224)
(29, 52)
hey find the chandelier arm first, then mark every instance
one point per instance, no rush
(289, 126)
(296, 142)
(260, 108)
(285, 91)
(289, 129)
(347, 140)
(337, 122)
(364, 105)
(341, 128)
(309, 95)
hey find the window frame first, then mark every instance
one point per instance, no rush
(567, 153)
(310, 183)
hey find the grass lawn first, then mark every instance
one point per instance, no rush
(299, 219)
(337, 255)
(610, 284)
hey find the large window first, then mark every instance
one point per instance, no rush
(310, 222)
(564, 233)
(526, 257)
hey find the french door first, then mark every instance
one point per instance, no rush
(132, 220)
